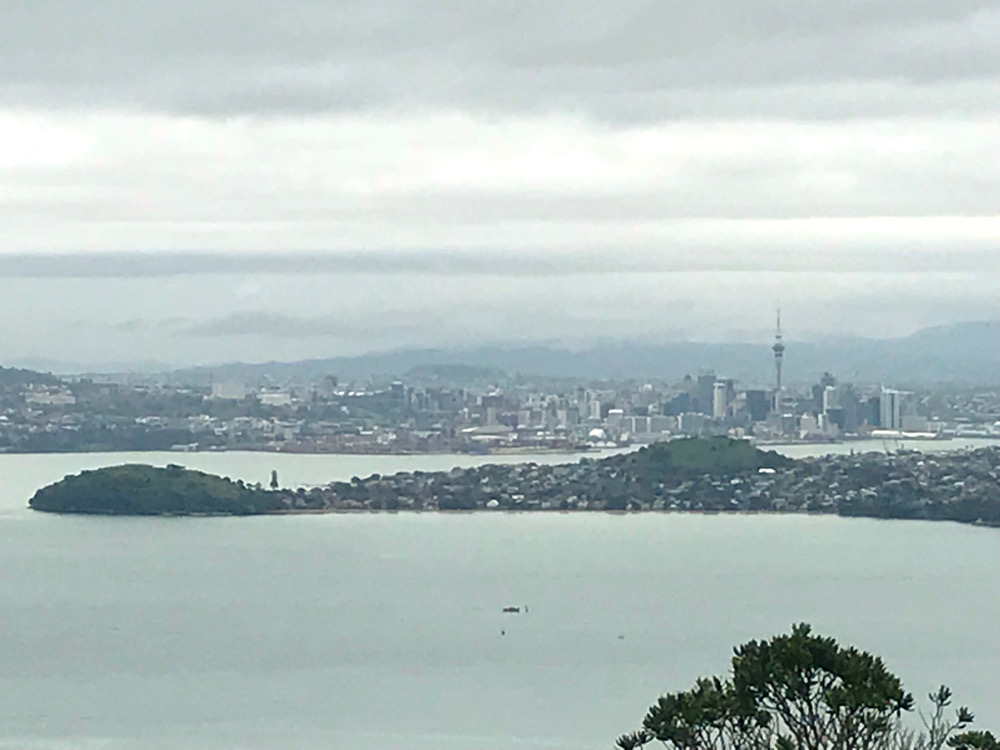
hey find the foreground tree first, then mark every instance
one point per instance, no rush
(803, 692)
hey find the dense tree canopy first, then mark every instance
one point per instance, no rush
(137, 489)
(689, 457)
(802, 691)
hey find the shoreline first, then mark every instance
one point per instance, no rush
(519, 512)
(638, 512)
(899, 443)
(709, 477)
(527, 451)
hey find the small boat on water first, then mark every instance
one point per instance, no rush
(512, 610)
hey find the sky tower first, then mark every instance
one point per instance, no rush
(779, 353)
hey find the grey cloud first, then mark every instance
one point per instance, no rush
(199, 318)
(489, 319)
(625, 59)
(281, 326)
(142, 325)
(266, 324)
(730, 192)
(428, 263)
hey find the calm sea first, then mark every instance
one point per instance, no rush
(373, 631)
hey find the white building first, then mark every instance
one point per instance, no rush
(637, 425)
(808, 426)
(594, 409)
(830, 399)
(720, 399)
(616, 418)
(230, 389)
(891, 408)
(662, 424)
(50, 397)
(275, 398)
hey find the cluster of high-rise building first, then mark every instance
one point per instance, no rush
(827, 409)
(441, 411)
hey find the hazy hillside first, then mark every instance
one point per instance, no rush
(966, 352)
(12, 377)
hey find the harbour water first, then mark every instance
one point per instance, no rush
(372, 631)
(28, 472)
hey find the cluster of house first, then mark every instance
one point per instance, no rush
(961, 486)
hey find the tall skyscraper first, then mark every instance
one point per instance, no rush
(779, 353)
(758, 405)
(720, 400)
(891, 406)
(705, 394)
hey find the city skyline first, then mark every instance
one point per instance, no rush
(423, 279)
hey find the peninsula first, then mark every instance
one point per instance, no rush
(707, 475)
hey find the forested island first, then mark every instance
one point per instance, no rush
(707, 475)
(140, 490)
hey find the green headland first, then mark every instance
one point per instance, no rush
(707, 475)
(137, 489)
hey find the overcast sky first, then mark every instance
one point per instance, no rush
(194, 181)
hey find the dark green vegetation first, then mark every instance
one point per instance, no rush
(691, 457)
(658, 477)
(713, 475)
(803, 692)
(12, 377)
(135, 489)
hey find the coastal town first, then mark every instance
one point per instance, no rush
(466, 409)
(687, 475)
(713, 475)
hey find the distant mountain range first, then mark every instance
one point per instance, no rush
(961, 353)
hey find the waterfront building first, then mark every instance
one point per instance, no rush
(891, 409)
(662, 424)
(615, 420)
